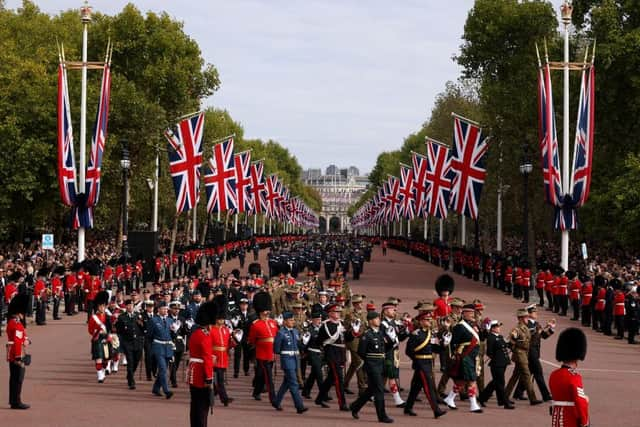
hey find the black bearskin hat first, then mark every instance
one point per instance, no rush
(262, 302)
(101, 298)
(572, 345)
(616, 283)
(18, 304)
(599, 281)
(255, 268)
(571, 274)
(445, 283)
(235, 273)
(91, 267)
(206, 314)
(220, 302)
(15, 277)
(59, 270)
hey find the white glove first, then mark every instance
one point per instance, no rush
(238, 334)
(306, 337)
(355, 326)
(279, 319)
(391, 333)
(228, 324)
(189, 323)
(234, 321)
(175, 326)
(447, 338)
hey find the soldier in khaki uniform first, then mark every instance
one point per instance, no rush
(520, 339)
(355, 319)
(479, 308)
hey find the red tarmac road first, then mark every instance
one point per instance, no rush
(61, 383)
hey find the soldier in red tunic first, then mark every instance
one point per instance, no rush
(262, 333)
(570, 406)
(16, 355)
(200, 371)
(618, 308)
(586, 293)
(574, 294)
(99, 328)
(444, 288)
(221, 342)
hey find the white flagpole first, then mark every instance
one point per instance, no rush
(408, 228)
(154, 218)
(235, 224)
(441, 230)
(463, 231)
(255, 224)
(269, 226)
(566, 20)
(426, 227)
(86, 19)
(264, 222)
(195, 223)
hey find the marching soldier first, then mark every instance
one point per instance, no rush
(313, 347)
(262, 333)
(333, 341)
(221, 342)
(16, 355)
(149, 364)
(99, 327)
(395, 334)
(586, 293)
(159, 333)
(179, 332)
(497, 350)
(286, 345)
(242, 350)
(422, 344)
(354, 320)
(371, 349)
(130, 330)
(632, 315)
(520, 339)
(570, 406)
(200, 371)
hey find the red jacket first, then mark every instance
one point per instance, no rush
(587, 294)
(56, 286)
(16, 336)
(70, 282)
(508, 274)
(261, 335)
(221, 342)
(39, 289)
(10, 291)
(562, 286)
(565, 385)
(549, 281)
(601, 303)
(200, 371)
(526, 278)
(442, 307)
(618, 303)
(541, 278)
(574, 289)
(97, 325)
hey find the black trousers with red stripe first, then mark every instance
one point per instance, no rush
(264, 378)
(334, 378)
(422, 380)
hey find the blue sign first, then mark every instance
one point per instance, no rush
(47, 241)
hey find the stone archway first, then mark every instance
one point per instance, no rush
(335, 224)
(324, 226)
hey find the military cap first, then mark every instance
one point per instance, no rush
(287, 315)
(372, 315)
(357, 298)
(457, 302)
(175, 304)
(425, 306)
(128, 301)
(495, 323)
(297, 305)
(522, 312)
(531, 308)
(316, 315)
(333, 307)
(162, 304)
(469, 307)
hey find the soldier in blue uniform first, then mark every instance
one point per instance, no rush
(423, 342)
(286, 345)
(159, 334)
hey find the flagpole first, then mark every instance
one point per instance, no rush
(441, 230)
(264, 222)
(426, 228)
(235, 224)
(86, 19)
(195, 223)
(566, 10)
(255, 224)
(154, 219)
(463, 231)
(408, 228)
(269, 226)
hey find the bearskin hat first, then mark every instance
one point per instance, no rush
(221, 303)
(571, 274)
(15, 277)
(235, 273)
(616, 283)
(91, 267)
(18, 304)
(572, 345)
(206, 314)
(255, 268)
(600, 281)
(59, 270)
(262, 302)
(445, 283)
(101, 298)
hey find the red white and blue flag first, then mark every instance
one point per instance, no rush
(66, 158)
(549, 139)
(242, 168)
(467, 167)
(407, 192)
(258, 188)
(392, 198)
(438, 179)
(419, 163)
(583, 149)
(92, 182)
(272, 195)
(219, 178)
(185, 160)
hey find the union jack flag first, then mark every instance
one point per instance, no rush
(219, 178)
(185, 159)
(407, 192)
(583, 149)
(258, 187)
(438, 179)
(66, 158)
(242, 168)
(392, 198)
(549, 139)
(272, 195)
(467, 167)
(420, 183)
(92, 182)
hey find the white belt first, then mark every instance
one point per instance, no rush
(289, 353)
(9, 342)
(619, 303)
(315, 350)
(163, 342)
(337, 345)
(587, 295)
(562, 403)
(195, 360)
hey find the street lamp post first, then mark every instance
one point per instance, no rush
(125, 164)
(525, 169)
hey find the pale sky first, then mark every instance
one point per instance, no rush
(334, 81)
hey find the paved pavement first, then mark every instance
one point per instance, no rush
(62, 389)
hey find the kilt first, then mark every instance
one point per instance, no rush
(101, 349)
(390, 370)
(463, 368)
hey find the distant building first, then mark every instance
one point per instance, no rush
(339, 188)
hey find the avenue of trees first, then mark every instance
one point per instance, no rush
(498, 88)
(158, 74)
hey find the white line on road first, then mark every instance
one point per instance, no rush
(613, 371)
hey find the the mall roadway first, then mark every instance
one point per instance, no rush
(62, 389)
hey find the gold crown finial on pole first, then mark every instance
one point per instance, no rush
(85, 13)
(566, 10)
